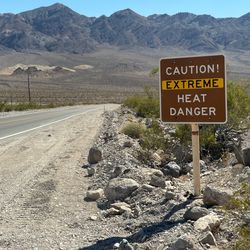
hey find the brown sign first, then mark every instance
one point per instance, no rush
(193, 89)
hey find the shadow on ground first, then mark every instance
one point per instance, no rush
(144, 233)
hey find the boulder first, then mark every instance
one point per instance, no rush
(242, 152)
(216, 195)
(194, 213)
(120, 188)
(172, 169)
(158, 180)
(94, 194)
(95, 155)
(185, 242)
(207, 223)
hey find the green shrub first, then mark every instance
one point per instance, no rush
(146, 105)
(241, 199)
(183, 132)
(243, 243)
(133, 130)
(238, 102)
(132, 101)
(153, 138)
(240, 202)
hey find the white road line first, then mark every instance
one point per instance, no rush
(47, 124)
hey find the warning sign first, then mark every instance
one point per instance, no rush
(193, 89)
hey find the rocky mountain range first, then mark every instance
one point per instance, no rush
(57, 28)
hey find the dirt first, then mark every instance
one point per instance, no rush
(43, 186)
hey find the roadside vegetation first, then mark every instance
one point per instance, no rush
(7, 107)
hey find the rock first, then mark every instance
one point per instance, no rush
(111, 212)
(116, 246)
(123, 207)
(216, 195)
(91, 171)
(117, 171)
(147, 187)
(170, 195)
(237, 169)
(208, 238)
(95, 155)
(242, 152)
(156, 157)
(182, 153)
(128, 144)
(203, 166)
(120, 188)
(187, 168)
(185, 242)
(246, 218)
(207, 223)
(94, 194)
(172, 169)
(93, 218)
(194, 213)
(125, 245)
(158, 180)
(169, 186)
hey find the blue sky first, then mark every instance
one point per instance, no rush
(216, 8)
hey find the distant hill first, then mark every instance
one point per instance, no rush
(57, 28)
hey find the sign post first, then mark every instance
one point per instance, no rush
(193, 91)
(196, 159)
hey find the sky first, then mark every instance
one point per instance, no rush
(216, 8)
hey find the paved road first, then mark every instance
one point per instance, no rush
(24, 122)
(42, 182)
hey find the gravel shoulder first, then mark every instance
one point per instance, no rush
(42, 186)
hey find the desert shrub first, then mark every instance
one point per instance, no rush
(148, 107)
(132, 101)
(243, 243)
(153, 138)
(241, 199)
(240, 202)
(145, 105)
(7, 107)
(133, 130)
(238, 102)
(183, 132)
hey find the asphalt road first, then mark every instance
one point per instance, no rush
(24, 122)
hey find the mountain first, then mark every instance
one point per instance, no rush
(60, 29)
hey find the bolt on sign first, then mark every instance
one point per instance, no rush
(193, 89)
